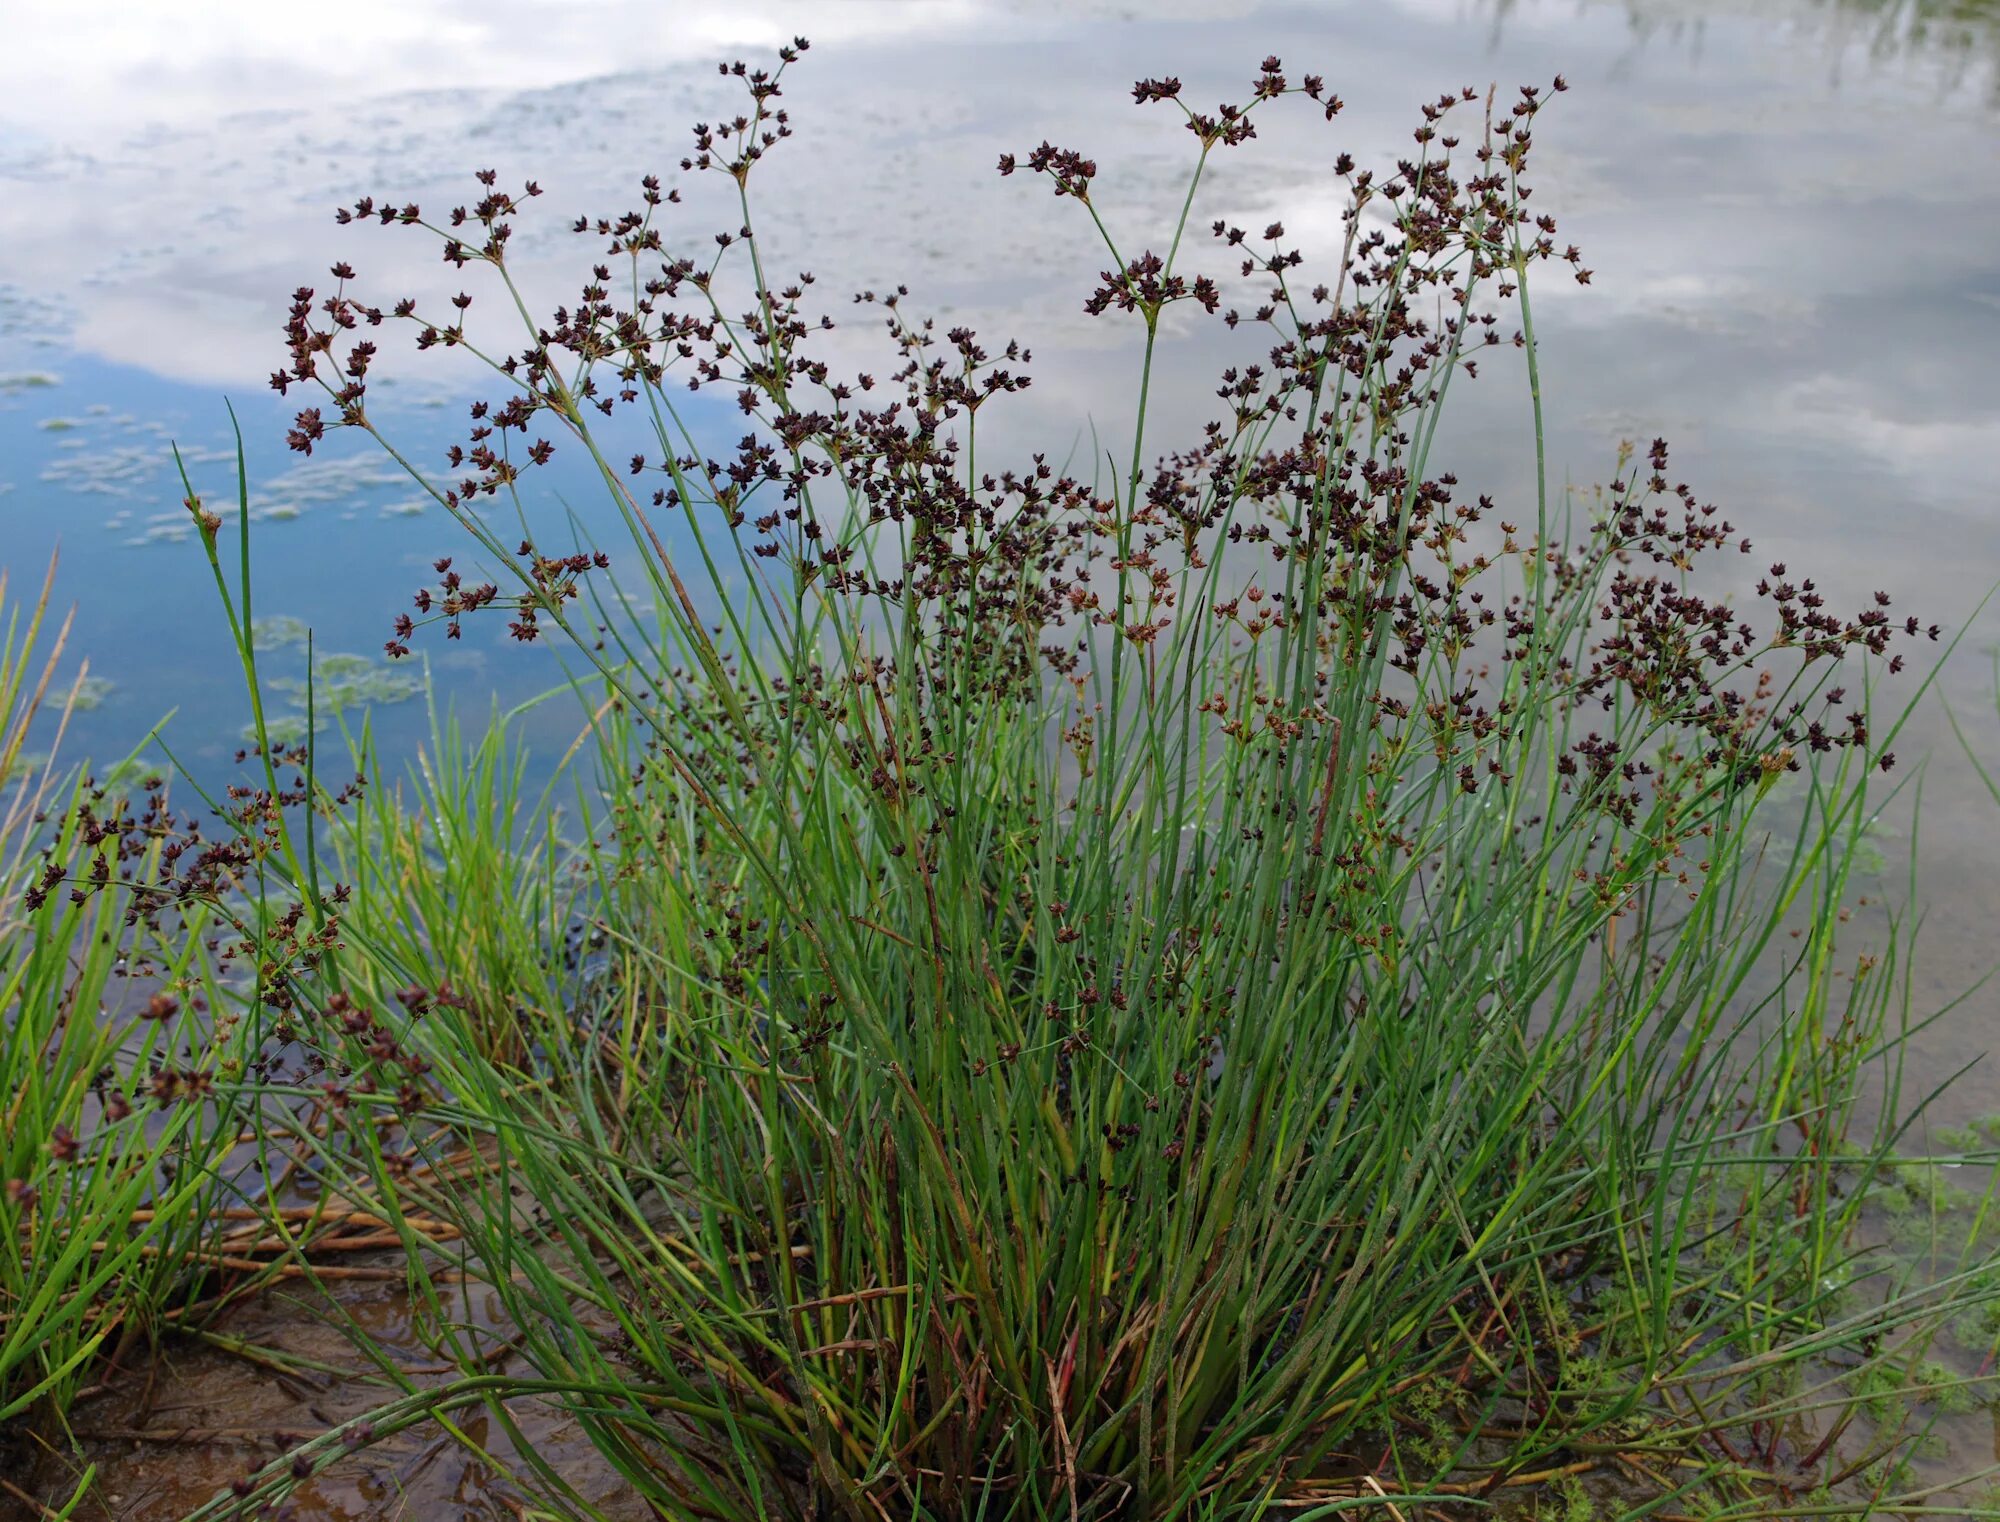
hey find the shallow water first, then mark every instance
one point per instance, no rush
(168, 1437)
(1792, 210)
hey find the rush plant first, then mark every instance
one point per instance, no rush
(109, 1134)
(1266, 982)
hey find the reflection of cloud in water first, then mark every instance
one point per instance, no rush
(90, 68)
(31, 320)
(1953, 456)
(890, 179)
(900, 112)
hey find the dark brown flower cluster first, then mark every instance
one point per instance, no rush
(1317, 463)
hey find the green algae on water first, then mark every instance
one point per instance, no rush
(278, 630)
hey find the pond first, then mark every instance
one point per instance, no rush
(1791, 212)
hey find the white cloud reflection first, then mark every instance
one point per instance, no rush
(167, 174)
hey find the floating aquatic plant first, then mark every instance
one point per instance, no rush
(276, 631)
(345, 681)
(89, 692)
